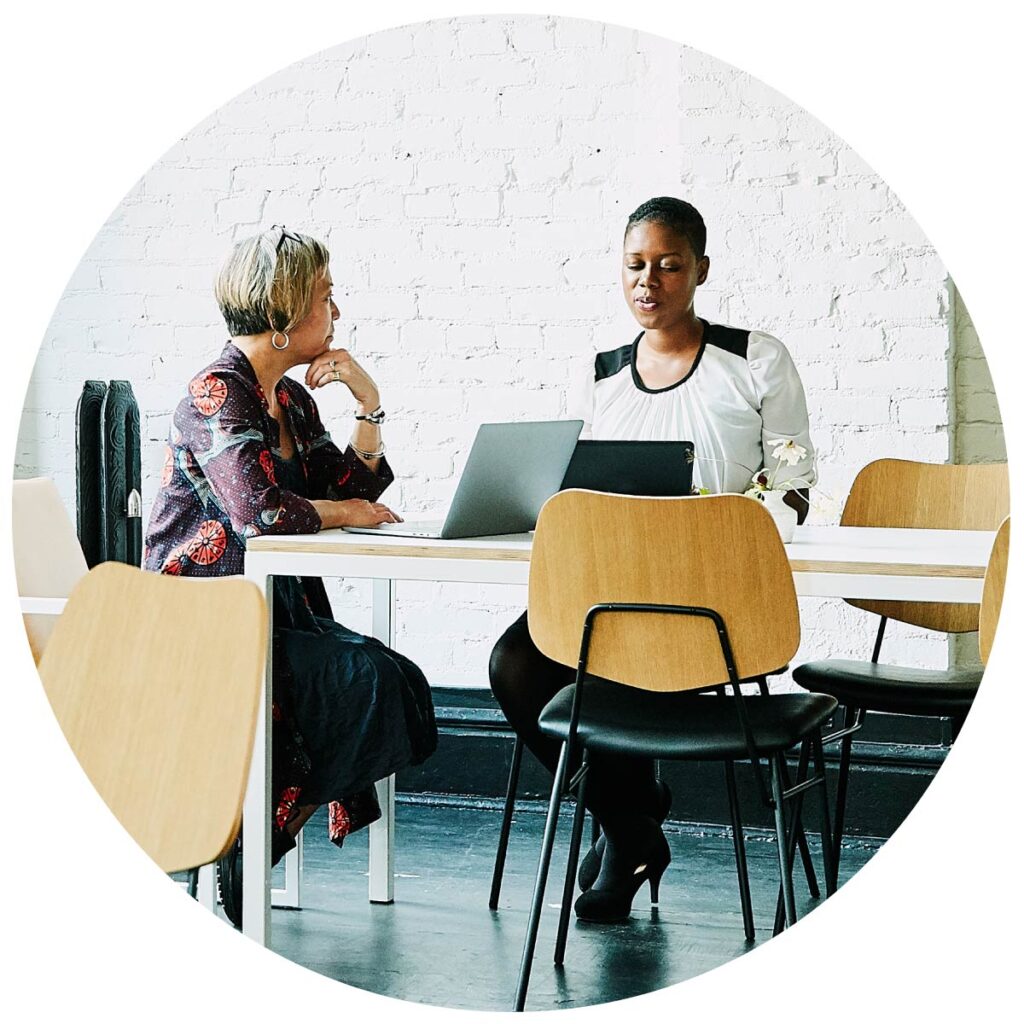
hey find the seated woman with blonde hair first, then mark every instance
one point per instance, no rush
(248, 455)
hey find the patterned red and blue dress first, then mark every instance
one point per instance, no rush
(347, 709)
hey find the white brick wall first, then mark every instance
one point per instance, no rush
(978, 435)
(472, 178)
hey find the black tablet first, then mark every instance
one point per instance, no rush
(656, 469)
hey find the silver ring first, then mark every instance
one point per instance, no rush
(337, 376)
(333, 365)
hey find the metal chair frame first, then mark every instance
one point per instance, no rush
(800, 838)
(773, 793)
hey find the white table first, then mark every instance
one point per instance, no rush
(830, 561)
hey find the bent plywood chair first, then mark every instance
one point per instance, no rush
(992, 594)
(695, 597)
(48, 560)
(899, 494)
(155, 682)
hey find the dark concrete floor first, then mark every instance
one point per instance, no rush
(440, 944)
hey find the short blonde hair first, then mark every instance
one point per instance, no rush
(267, 281)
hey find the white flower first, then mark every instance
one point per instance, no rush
(787, 451)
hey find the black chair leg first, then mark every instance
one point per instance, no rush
(506, 823)
(827, 854)
(193, 883)
(741, 853)
(797, 836)
(547, 845)
(785, 862)
(570, 870)
(845, 751)
(801, 836)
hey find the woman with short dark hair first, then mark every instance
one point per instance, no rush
(729, 391)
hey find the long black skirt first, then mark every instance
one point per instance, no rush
(348, 711)
(363, 710)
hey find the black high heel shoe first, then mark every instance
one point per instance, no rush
(612, 899)
(590, 866)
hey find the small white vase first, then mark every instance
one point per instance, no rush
(783, 514)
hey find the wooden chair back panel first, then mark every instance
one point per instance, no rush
(992, 595)
(721, 552)
(48, 559)
(928, 496)
(155, 682)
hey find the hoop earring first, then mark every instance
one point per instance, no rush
(279, 334)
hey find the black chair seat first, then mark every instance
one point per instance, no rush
(682, 726)
(906, 691)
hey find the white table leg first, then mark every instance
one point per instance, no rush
(382, 845)
(291, 895)
(256, 810)
(382, 832)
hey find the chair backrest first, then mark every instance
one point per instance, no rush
(155, 682)
(48, 559)
(928, 496)
(992, 595)
(721, 552)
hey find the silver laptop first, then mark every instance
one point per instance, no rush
(512, 469)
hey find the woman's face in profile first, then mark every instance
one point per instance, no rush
(314, 333)
(660, 274)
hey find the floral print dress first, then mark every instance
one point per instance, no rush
(347, 710)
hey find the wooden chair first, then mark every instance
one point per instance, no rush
(156, 682)
(694, 594)
(48, 559)
(992, 593)
(899, 494)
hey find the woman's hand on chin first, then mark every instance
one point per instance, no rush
(353, 512)
(337, 365)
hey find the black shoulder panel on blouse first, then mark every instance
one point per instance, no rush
(607, 364)
(732, 339)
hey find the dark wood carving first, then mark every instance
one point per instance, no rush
(122, 473)
(109, 473)
(89, 470)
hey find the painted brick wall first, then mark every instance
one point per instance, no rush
(978, 431)
(472, 179)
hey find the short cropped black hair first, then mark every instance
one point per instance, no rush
(676, 214)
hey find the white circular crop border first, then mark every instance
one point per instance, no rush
(96, 93)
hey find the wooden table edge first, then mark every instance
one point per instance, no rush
(522, 554)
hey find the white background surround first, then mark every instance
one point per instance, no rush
(472, 178)
(926, 94)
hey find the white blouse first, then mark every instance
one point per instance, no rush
(741, 393)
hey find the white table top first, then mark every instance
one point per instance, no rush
(941, 553)
(827, 561)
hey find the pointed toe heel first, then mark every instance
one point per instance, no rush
(614, 901)
(590, 866)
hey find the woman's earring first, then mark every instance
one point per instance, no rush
(279, 334)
